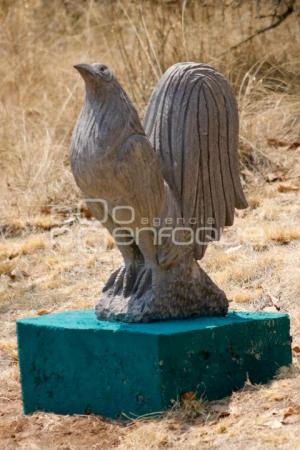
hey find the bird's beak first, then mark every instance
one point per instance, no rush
(85, 70)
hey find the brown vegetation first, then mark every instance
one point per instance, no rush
(53, 256)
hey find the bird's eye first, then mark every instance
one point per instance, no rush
(104, 72)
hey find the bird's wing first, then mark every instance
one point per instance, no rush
(138, 168)
(192, 123)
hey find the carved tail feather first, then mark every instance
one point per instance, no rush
(192, 123)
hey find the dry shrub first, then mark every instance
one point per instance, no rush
(254, 201)
(12, 250)
(217, 260)
(9, 350)
(282, 234)
(288, 187)
(31, 245)
(189, 408)
(41, 94)
(246, 295)
(6, 267)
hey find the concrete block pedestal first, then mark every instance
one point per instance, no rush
(72, 363)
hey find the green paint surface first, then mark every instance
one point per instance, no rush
(72, 363)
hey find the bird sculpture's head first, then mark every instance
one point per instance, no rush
(104, 91)
(97, 77)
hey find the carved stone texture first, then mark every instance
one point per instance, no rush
(164, 191)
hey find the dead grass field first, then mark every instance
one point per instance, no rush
(53, 256)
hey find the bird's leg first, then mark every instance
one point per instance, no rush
(129, 272)
(122, 280)
(147, 246)
(131, 286)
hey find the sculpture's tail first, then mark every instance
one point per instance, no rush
(192, 122)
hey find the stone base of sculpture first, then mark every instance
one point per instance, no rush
(72, 363)
(184, 291)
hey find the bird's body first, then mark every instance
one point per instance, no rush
(109, 130)
(117, 168)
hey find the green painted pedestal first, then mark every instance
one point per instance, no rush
(72, 363)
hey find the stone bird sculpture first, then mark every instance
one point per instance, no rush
(163, 190)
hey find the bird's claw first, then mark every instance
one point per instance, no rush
(129, 280)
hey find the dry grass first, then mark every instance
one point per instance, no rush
(41, 93)
(281, 234)
(52, 256)
(10, 250)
